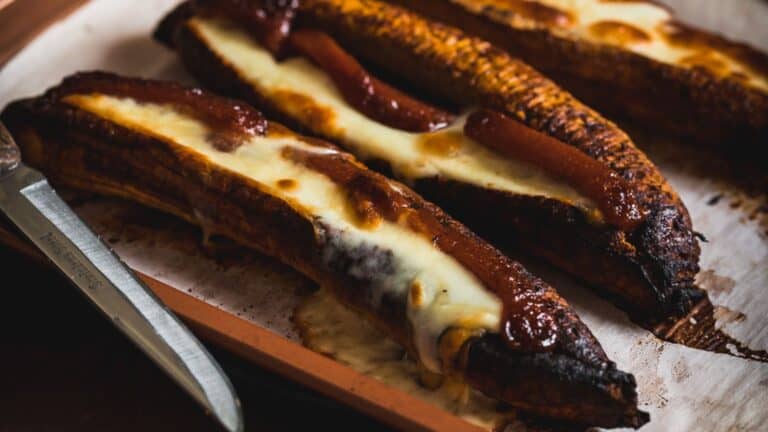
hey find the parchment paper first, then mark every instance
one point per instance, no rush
(683, 388)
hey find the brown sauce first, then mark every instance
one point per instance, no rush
(270, 23)
(527, 322)
(230, 121)
(372, 198)
(372, 97)
(612, 194)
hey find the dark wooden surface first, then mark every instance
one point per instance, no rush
(63, 367)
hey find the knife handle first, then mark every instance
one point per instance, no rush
(10, 156)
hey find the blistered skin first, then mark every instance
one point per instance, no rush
(526, 324)
(160, 156)
(631, 59)
(613, 195)
(470, 71)
(393, 108)
(649, 271)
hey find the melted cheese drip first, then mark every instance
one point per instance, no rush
(470, 162)
(450, 295)
(647, 17)
(332, 330)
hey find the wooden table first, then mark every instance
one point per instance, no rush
(64, 367)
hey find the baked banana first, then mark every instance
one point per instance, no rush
(629, 58)
(458, 305)
(561, 182)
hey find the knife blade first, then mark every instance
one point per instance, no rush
(35, 208)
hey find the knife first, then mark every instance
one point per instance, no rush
(33, 206)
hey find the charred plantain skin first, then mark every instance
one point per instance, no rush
(690, 102)
(75, 148)
(507, 377)
(648, 272)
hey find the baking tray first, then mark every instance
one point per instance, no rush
(243, 302)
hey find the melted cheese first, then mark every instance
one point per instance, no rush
(645, 17)
(469, 161)
(450, 295)
(330, 329)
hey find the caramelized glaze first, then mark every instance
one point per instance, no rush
(372, 97)
(268, 21)
(442, 143)
(230, 122)
(287, 184)
(618, 32)
(175, 157)
(525, 323)
(271, 22)
(613, 195)
(315, 116)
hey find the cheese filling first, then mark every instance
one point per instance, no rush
(389, 260)
(638, 26)
(446, 153)
(332, 330)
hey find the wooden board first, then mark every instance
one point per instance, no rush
(243, 302)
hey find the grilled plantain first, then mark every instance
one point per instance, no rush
(456, 304)
(647, 269)
(629, 58)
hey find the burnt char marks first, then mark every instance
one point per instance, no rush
(365, 263)
(671, 270)
(559, 380)
(465, 70)
(85, 151)
(529, 305)
(204, 193)
(362, 276)
(692, 102)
